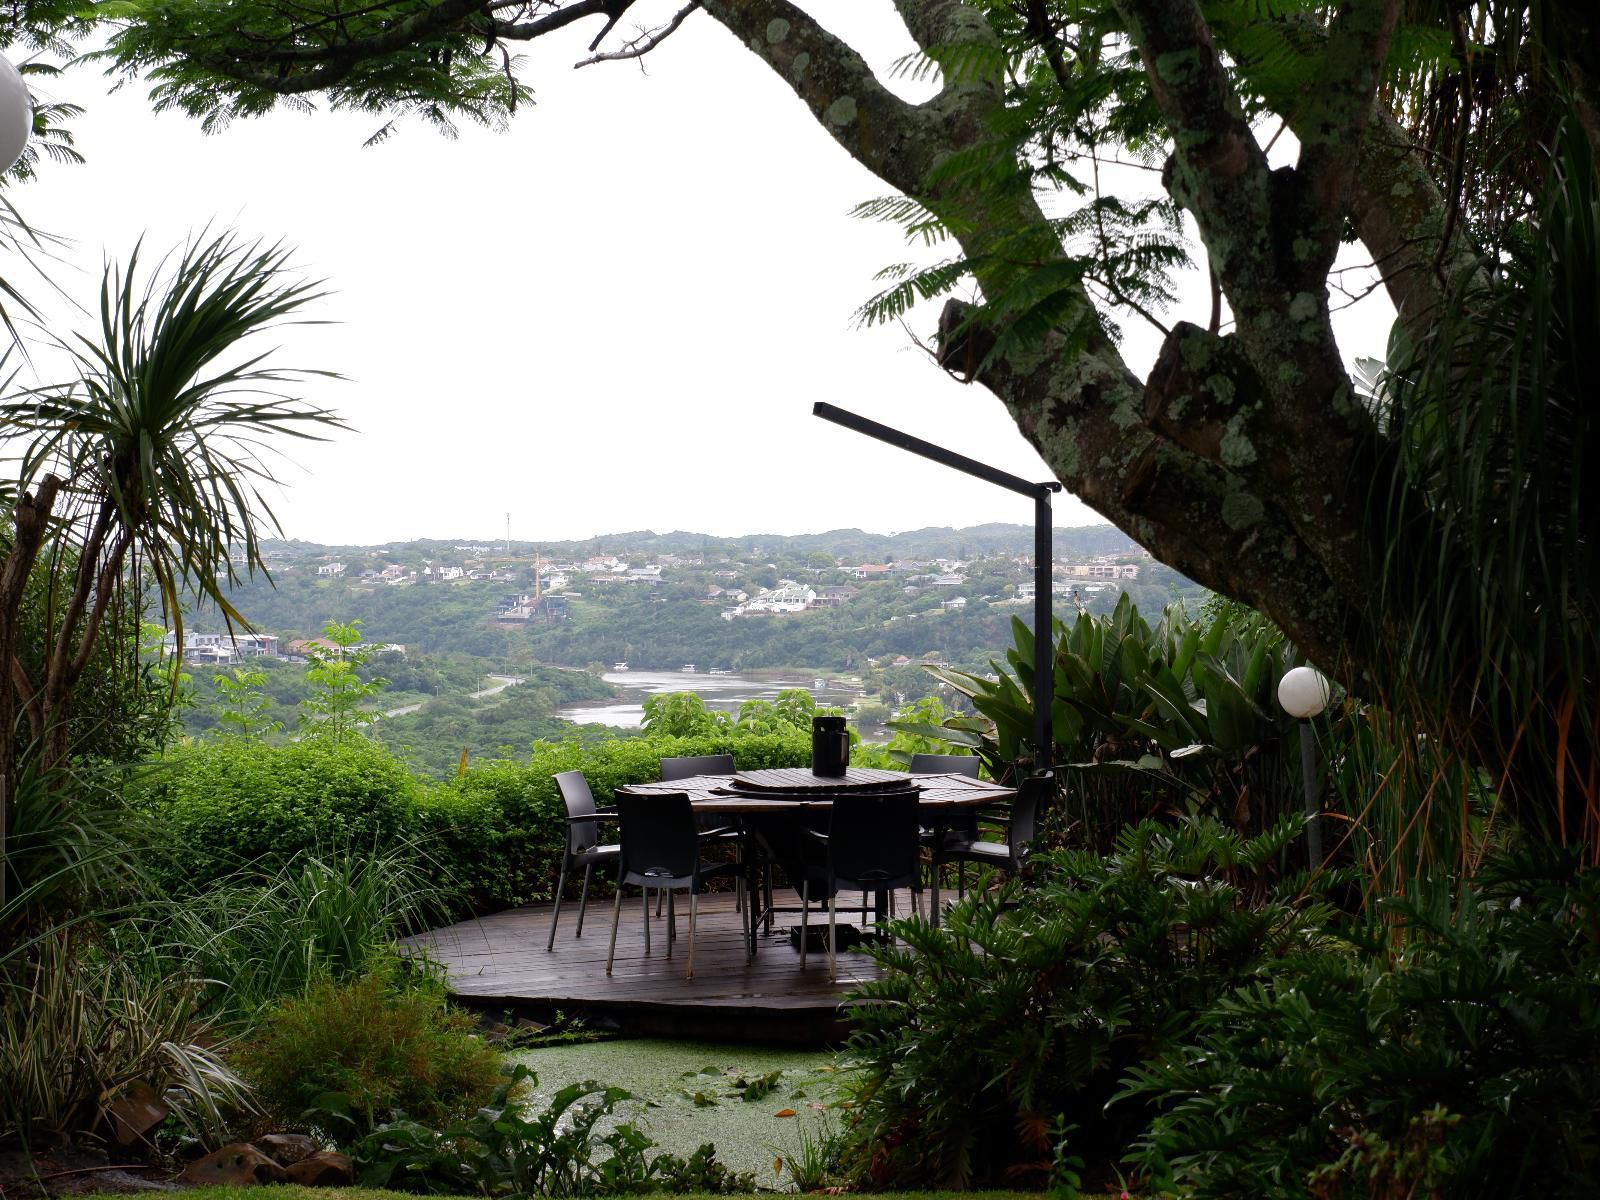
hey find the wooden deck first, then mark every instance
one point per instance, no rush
(500, 963)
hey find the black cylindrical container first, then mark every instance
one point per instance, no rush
(830, 746)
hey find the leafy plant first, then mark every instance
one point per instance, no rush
(332, 709)
(503, 1149)
(1146, 719)
(1028, 1004)
(1452, 1050)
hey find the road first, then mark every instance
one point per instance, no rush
(505, 682)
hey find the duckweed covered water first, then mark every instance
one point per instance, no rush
(687, 1093)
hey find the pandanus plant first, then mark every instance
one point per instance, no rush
(149, 465)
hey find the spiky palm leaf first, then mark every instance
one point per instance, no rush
(165, 432)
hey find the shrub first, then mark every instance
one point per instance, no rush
(490, 839)
(1007, 1023)
(504, 1150)
(229, 804)
(1455, 1053)
(349, 1056)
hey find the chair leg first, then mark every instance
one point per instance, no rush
(616, 919)
(833, 950)
(805, 918)
(672, 922)
(583, 897)
(561, 885)
(660, 900)
(646, 899)
(694, 905)
(961, 879)
(933, 891)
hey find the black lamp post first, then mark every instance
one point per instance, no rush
(1044, 675)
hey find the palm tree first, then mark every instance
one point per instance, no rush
(149, 465)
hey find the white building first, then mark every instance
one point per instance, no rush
(331, 569)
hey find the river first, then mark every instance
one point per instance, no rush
(723, 692)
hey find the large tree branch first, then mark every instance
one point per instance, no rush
(1218, 171)
(895, 140)
(1330, 125)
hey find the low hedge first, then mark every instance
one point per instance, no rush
(492, 838)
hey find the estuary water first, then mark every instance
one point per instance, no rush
(723, 692)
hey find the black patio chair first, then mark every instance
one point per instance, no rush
(702, 764)
(583, 844)
(661, 849)
(962, 824)
(1008, 856)
(871, 846)
(946, 764)
(706, 764)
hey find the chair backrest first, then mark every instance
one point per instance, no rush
(703, 764)
(874, 839)
(575, 794)
(659, 839)
(945, 764)
(1035, 791)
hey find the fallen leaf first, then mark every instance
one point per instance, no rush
(777, 1166)
(784, 1112)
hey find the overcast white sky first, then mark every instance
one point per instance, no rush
(615, 316)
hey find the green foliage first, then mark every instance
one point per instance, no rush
(332, 709)
(680, 714)
(1455, 1051)
(490, 839)
(347, 1057)
(225, 805)
(505, 1150)
(1146, 720)
(1029, 1003)
(331, 916)
(244, 704)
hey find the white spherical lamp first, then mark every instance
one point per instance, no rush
(1303, 692)
(16, 114)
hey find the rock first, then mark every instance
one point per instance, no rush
(134, 1113)
(325, 1168)
(237, 1164)
(286, 1149)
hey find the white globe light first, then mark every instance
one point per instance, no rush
(1303, 692)
(16, 114)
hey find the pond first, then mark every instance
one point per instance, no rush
(687, 1093)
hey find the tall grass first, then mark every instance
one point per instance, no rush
(325, 915)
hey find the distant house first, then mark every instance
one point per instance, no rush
(791, 598)
(222, 649)
(442, 574)
(955, 602)
(331, 569)
(900, 660)
(870, 571)
(948, 580)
